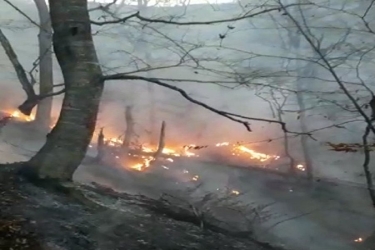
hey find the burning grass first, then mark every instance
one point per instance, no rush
(141, 157)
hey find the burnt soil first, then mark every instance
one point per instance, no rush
(36, 218)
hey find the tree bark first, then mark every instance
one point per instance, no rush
(67, 143)
(44, 108)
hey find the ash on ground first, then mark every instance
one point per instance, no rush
(35, 218)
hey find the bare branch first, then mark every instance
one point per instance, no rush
(103, 7)
(32, 99)
(20, 71)
(22, 13)
(150, 20)
(329, 67)
(230, 116)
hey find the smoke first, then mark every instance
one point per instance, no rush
(10, 95)
(187, 123)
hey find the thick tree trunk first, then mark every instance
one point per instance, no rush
(67, 143)
(43, 113)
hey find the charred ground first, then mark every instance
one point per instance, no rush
(33, 217)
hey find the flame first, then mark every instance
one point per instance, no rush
(144, 162)
(18, 115)
(255, 155)
(186, 151)
(236, 150)
(113, 142)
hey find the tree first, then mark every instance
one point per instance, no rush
(44, 61)
(67, 143)
(44, 108)
(323, 57)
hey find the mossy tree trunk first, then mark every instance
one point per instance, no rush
(67, 143)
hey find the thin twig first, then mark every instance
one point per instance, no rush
(150, 20)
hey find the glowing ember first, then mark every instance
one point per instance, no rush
(235, 192)
(301, 167)
(195, 178)
(189, 154)
(113, 142)
(144, 163)
(221, 144)
(358, 240)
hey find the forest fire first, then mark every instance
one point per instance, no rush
(146, 153)
(19, 116)
(145, 157)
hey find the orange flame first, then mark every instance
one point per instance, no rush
(255, 155)
(18, 115)
(186, 151)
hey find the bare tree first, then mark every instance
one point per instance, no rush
(27, 83)
(43, 113)
(44, 62)
(323, 59)
(67, 143)
(295, 45)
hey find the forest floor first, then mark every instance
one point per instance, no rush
(38, 219)
(291, 214)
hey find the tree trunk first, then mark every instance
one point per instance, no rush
(100, 146)
(295, 44)
(129, 132)
(67, 143)
(44, 108)
(304, 139)
(161, 144)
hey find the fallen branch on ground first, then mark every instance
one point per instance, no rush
(171, 207)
